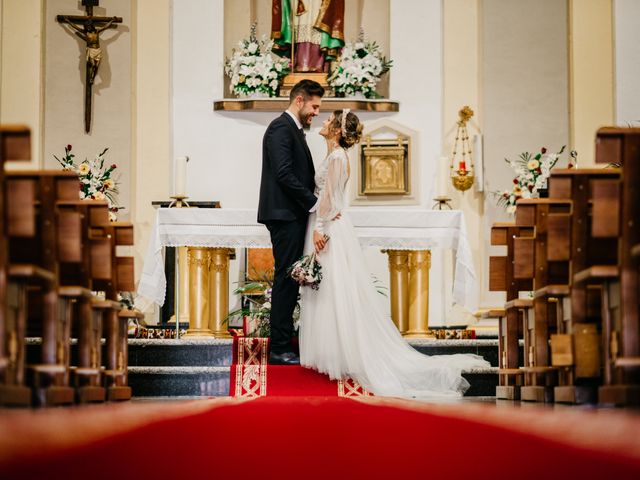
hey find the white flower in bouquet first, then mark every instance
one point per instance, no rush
(253, 68)
(359, 69)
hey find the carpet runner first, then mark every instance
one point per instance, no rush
(252, 377)
(328, 438)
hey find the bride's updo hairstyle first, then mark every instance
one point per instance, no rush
(350, 127)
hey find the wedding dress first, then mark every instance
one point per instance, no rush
(345, 330)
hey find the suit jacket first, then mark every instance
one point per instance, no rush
(286, 188)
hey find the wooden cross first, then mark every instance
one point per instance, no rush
(88, 28)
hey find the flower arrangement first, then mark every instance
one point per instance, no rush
(307, 271)
(359, 69)
(252, 68)
(256, 313)
(97, 180)
(532, 173)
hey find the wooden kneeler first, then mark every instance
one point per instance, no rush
(15, 391)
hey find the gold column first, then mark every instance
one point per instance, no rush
(219, 291)
(183, 266)
(199, 262)
(399, 283)
(419, 264)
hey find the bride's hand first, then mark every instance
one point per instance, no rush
(319, 241)
(337, 217)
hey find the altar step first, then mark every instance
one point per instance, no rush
(200, 367)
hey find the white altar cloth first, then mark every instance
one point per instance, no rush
(397, 229)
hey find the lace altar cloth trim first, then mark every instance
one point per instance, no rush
(392, 229)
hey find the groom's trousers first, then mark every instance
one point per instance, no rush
(287, 239)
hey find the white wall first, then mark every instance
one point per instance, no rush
(225, 147)
(627, 61)
(21, 70)
(525, 97)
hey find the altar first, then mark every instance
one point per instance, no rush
(406, 235)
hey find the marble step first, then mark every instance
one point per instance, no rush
(163, 381)
(218, 352)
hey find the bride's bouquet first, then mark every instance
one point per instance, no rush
(307, 271)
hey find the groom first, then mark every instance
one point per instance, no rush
(286, 199)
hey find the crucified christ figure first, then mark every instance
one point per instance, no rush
(91, 35)
(88, 28)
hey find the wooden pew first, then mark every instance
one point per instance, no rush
(577, 347)
(34, 267)
(622, 331)
(15, 144)
(118, 276)
(543, 258)
(81, 259)
(502, 279)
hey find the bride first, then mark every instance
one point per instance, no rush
(345, 330)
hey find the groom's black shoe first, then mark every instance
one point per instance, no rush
(286, 358)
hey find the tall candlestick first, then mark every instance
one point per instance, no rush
(180, 177)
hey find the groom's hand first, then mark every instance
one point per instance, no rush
(319, 241)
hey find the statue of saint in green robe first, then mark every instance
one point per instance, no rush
(317, 27)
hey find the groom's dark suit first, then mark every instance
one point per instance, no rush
(286, 196)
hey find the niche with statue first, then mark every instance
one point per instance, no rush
(311, 35)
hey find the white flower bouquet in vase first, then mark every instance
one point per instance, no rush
(359, 69)
(97, 179)
(532, 174)
(253, 71)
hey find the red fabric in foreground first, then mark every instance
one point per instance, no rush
(321, 438)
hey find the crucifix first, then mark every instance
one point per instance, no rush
(88, 28)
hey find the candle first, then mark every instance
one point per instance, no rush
(180, 177)
(463, 166)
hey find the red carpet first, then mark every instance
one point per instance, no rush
(321, 438)
(252, 377)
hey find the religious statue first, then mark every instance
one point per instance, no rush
(317, 30)
(91, 35)
(89, 32)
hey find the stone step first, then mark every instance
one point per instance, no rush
(179, 381)
(486, 348)
(200, 366)
(218, 352)
(214, 381)
(205, 352)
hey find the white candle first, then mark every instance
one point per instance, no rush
(180, 177)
